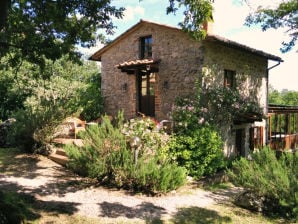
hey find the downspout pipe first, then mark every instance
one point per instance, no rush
(273, 66)
(267, 86)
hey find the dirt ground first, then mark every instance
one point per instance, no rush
(53, 186)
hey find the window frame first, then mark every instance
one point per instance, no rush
(145, 47)
(230, 79)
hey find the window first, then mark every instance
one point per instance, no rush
(230, 79)
(146, 47)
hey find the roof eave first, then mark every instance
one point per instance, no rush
(97, 55)
(234, 44)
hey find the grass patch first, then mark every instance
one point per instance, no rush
(6, 154)
(213, 187)
(16, 208)
(243, 216)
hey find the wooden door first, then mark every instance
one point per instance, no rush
(146, 93)
(240, 139)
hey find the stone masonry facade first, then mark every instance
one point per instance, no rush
(183, 62)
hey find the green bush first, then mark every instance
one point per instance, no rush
(272, 177)
(15, 208)
(34, 126)
(159, 176)
(47, 97)
(100, 143)
(106, 155)
(197, 145)
(91, 100)
(200, 152)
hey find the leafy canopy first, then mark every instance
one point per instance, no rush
(41, 29)
(284, 97)
(285, 15)
(195, 14)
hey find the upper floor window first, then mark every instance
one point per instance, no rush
(146, 47)
(230, 79)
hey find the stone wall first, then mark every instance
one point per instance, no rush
(183, 63)
(180, 66)
(251, 70)
(251, 80)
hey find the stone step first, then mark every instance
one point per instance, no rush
(66, 141)
(62, 160)
(60, 151)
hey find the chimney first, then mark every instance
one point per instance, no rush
(208, 26)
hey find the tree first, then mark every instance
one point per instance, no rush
(39, 29)
(290, 97)
(195, 14)
(285, 97)
(284, 15)
(274, 96)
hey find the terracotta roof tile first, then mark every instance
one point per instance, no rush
(137, 62)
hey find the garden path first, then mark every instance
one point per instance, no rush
(54, 186)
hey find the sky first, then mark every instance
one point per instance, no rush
(229, 18)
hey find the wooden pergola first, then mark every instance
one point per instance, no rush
(282, 127)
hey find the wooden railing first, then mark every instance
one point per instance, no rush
(284, 142)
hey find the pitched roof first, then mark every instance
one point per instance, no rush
(221, 40)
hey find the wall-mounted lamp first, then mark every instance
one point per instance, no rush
(165, 85)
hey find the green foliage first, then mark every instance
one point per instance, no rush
(195, 13)
(107, 156)
(90, 98)
(47, 101)
(216, 106)
(227, 105)
(284, 15)
(270, 176)
(197, 144)
(34, 126)
(285, 97)
(14, 89)
(100, 143)
(157, 174)
(200, 151)
(152, 139)
(14, 208)
(34, 30)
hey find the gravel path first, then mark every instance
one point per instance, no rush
(53, 185)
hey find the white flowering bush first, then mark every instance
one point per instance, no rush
(152, 138)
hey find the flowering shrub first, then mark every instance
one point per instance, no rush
(107, 157)
(188, 115)
(227, 104)
(218, 106)
(152, 139)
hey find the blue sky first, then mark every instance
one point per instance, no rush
(229, 17)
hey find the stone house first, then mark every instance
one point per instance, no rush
(147, 67)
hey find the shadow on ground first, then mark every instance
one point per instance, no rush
(146, 211)
(17, 165)
(197, 215)
(50, 178)
(20, 208)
